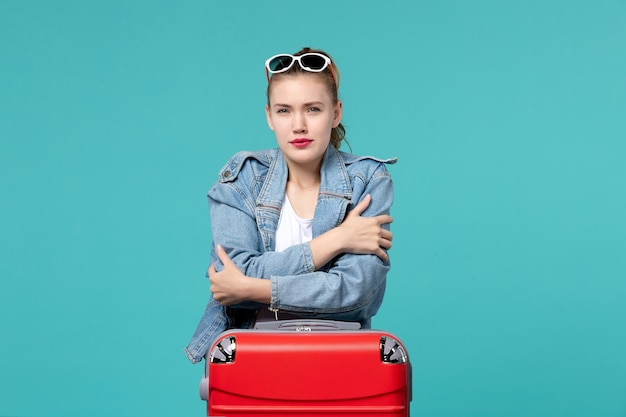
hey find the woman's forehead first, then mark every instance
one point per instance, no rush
(299, 88)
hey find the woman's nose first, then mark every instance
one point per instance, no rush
(299, 123)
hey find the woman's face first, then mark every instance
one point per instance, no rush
(302, 114)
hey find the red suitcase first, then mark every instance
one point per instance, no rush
(314, 368)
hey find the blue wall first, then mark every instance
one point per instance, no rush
(509, 275)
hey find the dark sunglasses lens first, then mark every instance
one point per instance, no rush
(280, 63)
(314, 62)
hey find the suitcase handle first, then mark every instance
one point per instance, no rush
(310, 325)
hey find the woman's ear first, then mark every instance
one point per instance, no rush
(269, 118)
(338, 113)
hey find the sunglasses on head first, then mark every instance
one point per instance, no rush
(311, 61)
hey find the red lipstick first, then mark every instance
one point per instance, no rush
(301, 142)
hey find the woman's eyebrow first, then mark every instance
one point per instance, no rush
(311, 103)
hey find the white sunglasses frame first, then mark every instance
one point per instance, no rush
(327, 62)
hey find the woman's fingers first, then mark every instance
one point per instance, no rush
(360, 208)
(223, 256)
(383, 219)
(385, 243)
(386, 235)
(382, 255)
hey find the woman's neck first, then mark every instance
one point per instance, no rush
(304, 177)
(303, 188)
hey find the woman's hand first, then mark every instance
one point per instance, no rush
(357, 235)
(231, 286)
(365, 235)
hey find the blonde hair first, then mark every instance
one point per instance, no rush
(337, 134)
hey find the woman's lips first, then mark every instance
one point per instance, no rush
(301, 142)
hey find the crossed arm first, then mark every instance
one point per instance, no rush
(356, 235)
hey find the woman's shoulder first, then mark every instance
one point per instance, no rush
(247, 160)
(365, 163)
(350, 158)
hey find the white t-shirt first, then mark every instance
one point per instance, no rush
(292, 229)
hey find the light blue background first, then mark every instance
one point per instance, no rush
(508, 118)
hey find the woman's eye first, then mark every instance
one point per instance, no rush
(314, 109)
(281, 111)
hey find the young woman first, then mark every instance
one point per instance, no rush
(301, 230)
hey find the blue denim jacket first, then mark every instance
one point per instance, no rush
(245, 206)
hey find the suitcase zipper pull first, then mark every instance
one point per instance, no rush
(275, 310)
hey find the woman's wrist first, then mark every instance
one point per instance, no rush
(257, 289)
(326, 247)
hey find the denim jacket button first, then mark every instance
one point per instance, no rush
(226, 174)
